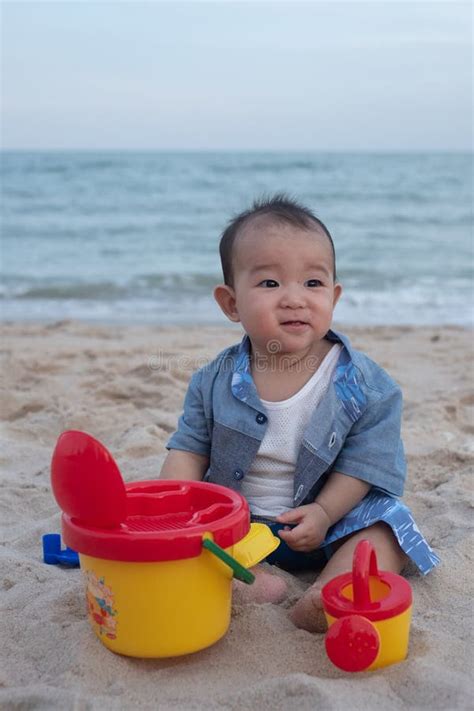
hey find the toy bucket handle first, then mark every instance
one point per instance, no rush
(364, 564)
(238, 570)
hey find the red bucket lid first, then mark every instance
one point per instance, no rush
(154, 520)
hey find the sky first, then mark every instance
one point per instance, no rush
(237, 75)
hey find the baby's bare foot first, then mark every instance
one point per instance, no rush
(308, 612)
(266, 588)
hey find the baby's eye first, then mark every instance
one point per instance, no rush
(269, 283)
(314, 282)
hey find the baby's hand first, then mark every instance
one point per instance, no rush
(313, 523)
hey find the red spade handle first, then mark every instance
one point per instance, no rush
(364, 564)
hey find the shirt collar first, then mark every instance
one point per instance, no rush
(243, 386)
(337, 337)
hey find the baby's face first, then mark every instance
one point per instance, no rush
(284, 287)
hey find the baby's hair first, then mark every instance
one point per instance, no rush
(280, 208)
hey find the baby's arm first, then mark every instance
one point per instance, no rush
(337, 497)
(340, 494)
(372, 452)
(184, 465)
(190, 446)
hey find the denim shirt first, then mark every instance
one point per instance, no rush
(355, 429)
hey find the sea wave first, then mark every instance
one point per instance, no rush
(137, 287)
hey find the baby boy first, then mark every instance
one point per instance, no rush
(306, 427)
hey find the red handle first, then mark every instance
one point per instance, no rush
(364, 564)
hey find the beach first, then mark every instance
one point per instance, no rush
(125, 386)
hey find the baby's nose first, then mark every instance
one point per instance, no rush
(293, 297)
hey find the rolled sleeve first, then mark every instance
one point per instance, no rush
(192, 434)
(373, 450)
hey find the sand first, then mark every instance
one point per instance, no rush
(125, 385)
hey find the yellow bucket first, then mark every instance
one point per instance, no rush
(158, 556)
(368, 613)
(168, 608)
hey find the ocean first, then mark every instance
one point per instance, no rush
(132, 237)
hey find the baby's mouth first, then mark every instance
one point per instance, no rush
(294, 323)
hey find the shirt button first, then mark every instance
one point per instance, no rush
(261, 418)
(238, 474)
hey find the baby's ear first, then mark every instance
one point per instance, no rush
(336, 294)
(225, 297)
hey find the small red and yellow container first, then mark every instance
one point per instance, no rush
(369, 613)
(158, 556)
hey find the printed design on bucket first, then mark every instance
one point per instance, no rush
(100, 605)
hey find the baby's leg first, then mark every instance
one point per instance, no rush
(308, 611)
(267, 587)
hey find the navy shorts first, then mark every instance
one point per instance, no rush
(288, 559)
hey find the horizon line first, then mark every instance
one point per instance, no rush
(230, 150)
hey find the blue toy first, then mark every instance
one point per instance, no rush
(53, 555)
